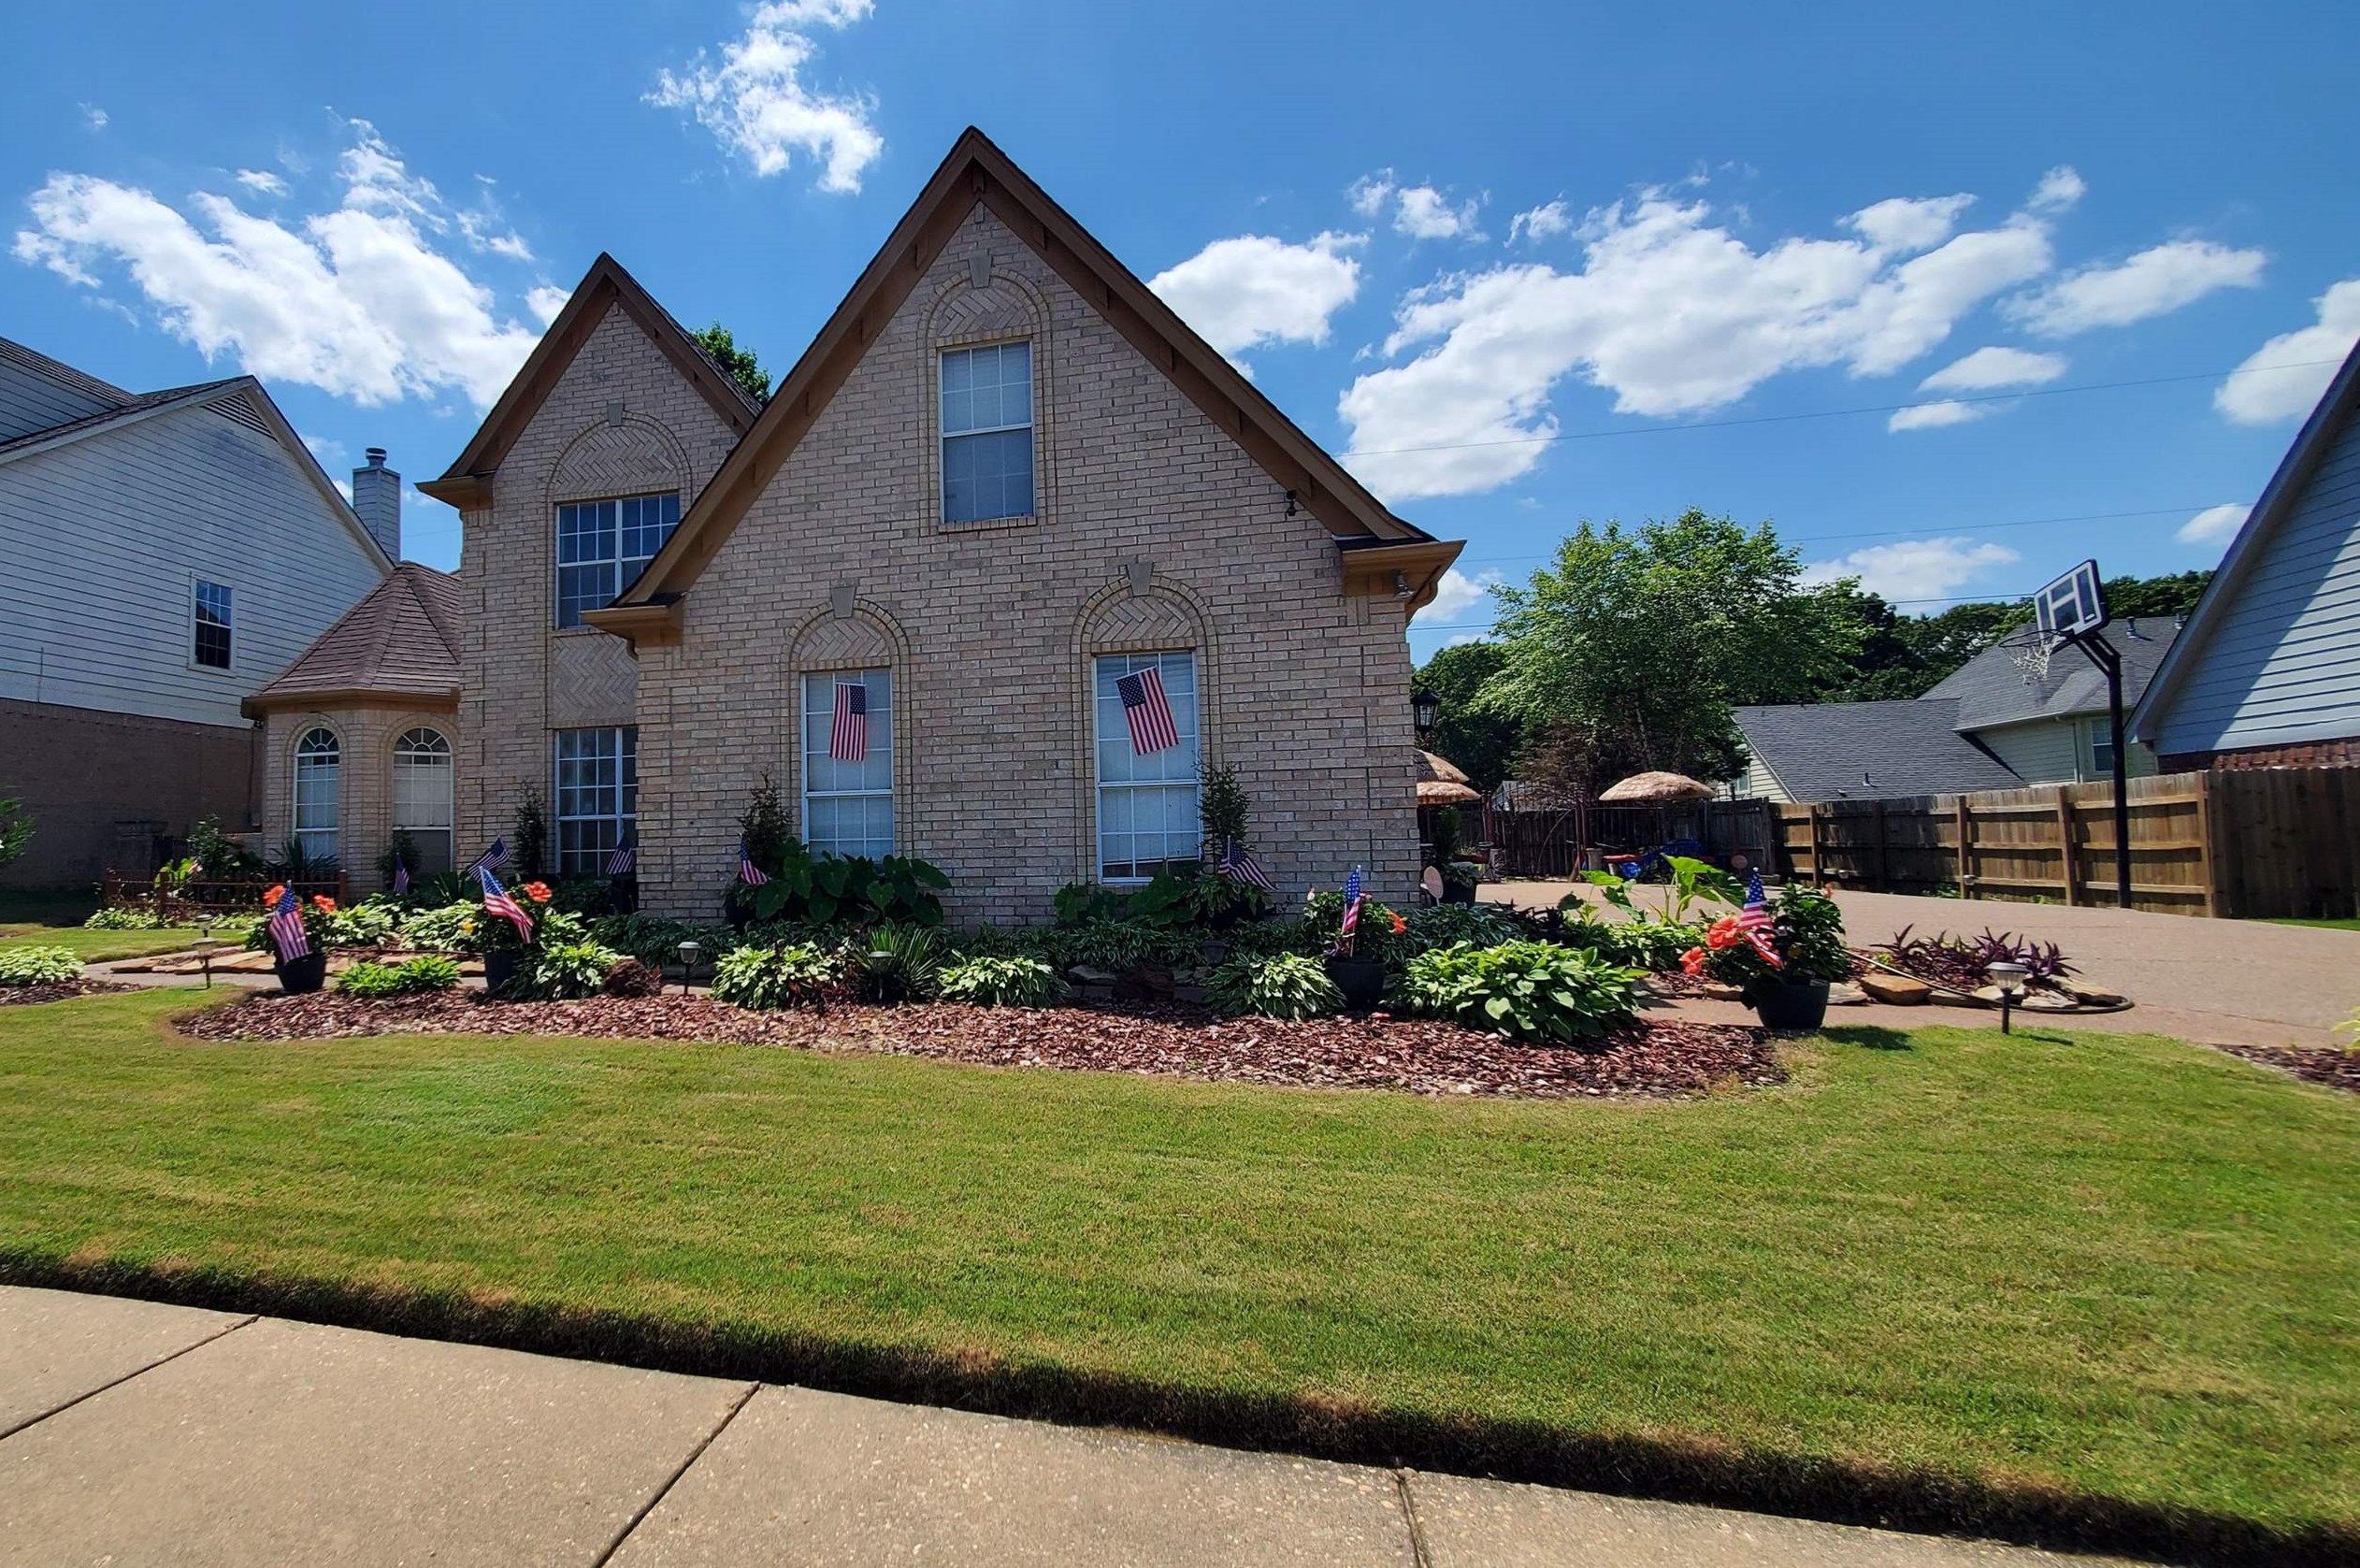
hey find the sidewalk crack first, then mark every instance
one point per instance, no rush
(1418, 1555)
(7, 1432)
(673, 1480)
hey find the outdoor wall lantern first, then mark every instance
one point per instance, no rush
(2009, 978)
(1425, 708)
(688, 951)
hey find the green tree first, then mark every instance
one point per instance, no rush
(743, 366)
(16, 828)
(2174, 594)
(1901, 656)
(1628, 651)
(1482, 742)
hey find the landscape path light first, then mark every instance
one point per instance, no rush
(688, 951)
(2009, 978)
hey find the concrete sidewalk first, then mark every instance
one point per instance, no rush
(131, 1433)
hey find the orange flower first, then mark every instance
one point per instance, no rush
(1725, 933)
(270, 894)
(1693, 961)
(536, 891)
(324, 904)
(1400, 924)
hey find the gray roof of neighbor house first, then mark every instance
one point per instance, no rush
(1833, 751)
(58, 370)
(1990, 689)
(402, 639)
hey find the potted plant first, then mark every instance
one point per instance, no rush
(1459, 877)
(509, 943)
(1355, 962)
(307, 970)
(1783, 972)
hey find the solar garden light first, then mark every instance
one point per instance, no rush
(688, 951)
(2009, 978)
(207, 946)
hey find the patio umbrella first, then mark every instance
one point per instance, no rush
(1441, 783)
(1654, 789)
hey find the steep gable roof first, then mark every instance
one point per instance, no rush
(2311, 446)
(978, 171)
(466, 482)
(83, 383)
(402, 639)
(1835, 751)
(1990, 689)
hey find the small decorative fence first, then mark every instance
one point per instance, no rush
(1565, 841)
(195, 900)
(2251, 843)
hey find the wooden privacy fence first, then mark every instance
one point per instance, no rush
(2252, 844)
(121, 890)
(1552, 842)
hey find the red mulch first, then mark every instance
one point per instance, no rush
(2331, 1065)
(1418, 1056)
(57, 990)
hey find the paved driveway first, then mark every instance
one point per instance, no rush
(2234, 981)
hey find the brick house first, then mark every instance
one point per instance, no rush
(1003, 477)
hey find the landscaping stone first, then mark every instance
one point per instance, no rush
(1088, 974)
(2090, 994)
(1897, 990)
(2046, 1002)
(1843, 993)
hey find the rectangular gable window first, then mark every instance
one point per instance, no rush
(1147, 805)
(987, 432)
(597, 795)
(212, 626)
(848, 800)
(602, 546)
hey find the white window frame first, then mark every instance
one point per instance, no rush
(428, 837)
(320, 841)
(589, 858)
(816, 715)
(2101, 742)
(197, 586)
(626, 566)
(944, 435)
(1108, 726)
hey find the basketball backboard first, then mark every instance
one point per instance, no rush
(2070, 607)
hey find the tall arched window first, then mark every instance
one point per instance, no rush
(318, 793)
(422, 797)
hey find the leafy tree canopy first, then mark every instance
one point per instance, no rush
(1483, 742)
(743, 366)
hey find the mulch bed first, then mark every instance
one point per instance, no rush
(2331, 1065)
(1416, 1056)
(58, 990)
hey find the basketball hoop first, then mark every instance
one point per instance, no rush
(2071, 606)
(2032, 660)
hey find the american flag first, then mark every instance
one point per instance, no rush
(1351, 902)
(493, 858)
(848, 731)
(402, 878)
(1150, 715)
(501, 902)
(286, 926)
(1754, 920)
(1239, 865)
(748, 872)
(626, 858)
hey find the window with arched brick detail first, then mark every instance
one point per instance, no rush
(422, 797)
(319, 802)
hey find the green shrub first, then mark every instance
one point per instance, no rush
(1115, 945)
(1011, 980)
(122, 920)
(1283, 985)
(1323, 915)
(789, 975)
(452, 929)
(430, 972)
(371, 979)
(562, 970)
(900, 963)
(39, 966)
(653, 939)
(1528, 990)
(836, 889)
(366, 923)
(1450, 925)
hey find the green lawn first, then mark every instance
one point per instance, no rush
(2324, 925)
(2043, 1267)
(96, 947)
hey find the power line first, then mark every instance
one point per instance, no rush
(1834, 414)
(1954, 599)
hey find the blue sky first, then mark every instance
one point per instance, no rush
(1522, 264)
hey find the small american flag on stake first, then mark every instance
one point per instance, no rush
(1351, 904)
(1149, 713)
(848, 731)
(748, 872)
(402, 878)
(1754, 920)
(626, 858)
(286, 926)
(1239, 865)
(501, 902)
(492, 858)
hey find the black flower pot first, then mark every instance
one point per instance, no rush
(1458, 892)
(1361, 980)
(1800, 1004)
(300, 976)
(499, 968)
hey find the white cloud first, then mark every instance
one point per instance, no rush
(2153, 283)
(1935, 417)
(327, 449)
(757, 103)
(1421, 213)
(2059, 190)
(1991, 369)
(545, 301)
(2212, 525)
(93, 116)
(1903, 225)
(1674, 314)
(1544, 221)
(1915, 570)
(1369, 193)
(261, 181)
(358, 301)
(1456, 594)
(1252, 290)
(2257, 394)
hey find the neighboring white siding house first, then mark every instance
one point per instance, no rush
(2269, 667)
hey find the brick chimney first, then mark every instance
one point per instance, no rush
(377, 497)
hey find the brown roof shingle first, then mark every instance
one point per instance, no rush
(401, 640)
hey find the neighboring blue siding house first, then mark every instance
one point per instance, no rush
(2267, 672)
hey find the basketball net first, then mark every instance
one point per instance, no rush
(2032, 660)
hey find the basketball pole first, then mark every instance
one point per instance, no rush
(2103, 654)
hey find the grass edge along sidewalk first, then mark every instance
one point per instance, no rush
(2086, 1292)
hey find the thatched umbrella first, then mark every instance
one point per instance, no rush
(1440, 782)
(1654, 789)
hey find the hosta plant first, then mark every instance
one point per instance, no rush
(429, 972)
(562, 970)
(1528, 990)
(792, 974)
(39, 966)
(1011, 980)
(122, 920)
(371, 979)
(451, 928)
(1283, 985)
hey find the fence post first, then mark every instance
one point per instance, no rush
(1884, 857)
(1964, 817)
(2208, 848)
(1819, 871)
(2064, 841)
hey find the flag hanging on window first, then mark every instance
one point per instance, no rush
(1239, 865)
(626, 858)
(286, 926)
(1150, 715)
(1754, 920)
(501, 902)
(748, 872)
(402, 878)
(492, 858)
(848, 731)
